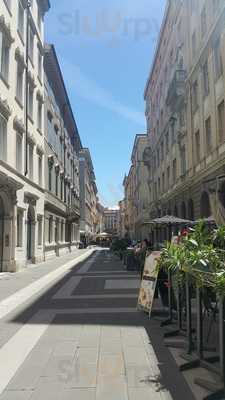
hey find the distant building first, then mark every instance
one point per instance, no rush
(88, 197)
(136, 190)
(100, 218)
(111, 220)
(122, 215)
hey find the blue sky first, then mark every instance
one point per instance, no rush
(105, 51)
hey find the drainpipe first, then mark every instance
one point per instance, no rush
(27, 86)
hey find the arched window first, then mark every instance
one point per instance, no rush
(183, 210)
(175, 213)
(205, 208)
(191, 213)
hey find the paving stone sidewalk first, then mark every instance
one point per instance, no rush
(12, 282)
(84, 339)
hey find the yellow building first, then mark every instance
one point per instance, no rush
(137, 195)
(185, 112)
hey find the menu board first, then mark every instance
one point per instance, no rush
(148, 283)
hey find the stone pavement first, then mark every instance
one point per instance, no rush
(84, 339)
(12, 282)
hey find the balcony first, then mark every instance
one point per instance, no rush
(73, 213)
(176, 91)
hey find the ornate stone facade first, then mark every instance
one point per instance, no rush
(185, 112)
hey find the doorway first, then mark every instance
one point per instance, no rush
(30, 233)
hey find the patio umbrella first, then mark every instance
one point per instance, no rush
(170, 220)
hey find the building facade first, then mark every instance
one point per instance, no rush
(88, 197)
(111, 221)
(128, 184)
(185, 112)
(62, 147)
(100, 218)
(21, 133)
(140, 185)
(122, 219)
(137, 194)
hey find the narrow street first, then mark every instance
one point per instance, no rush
(82, 338)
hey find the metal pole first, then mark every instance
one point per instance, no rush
(189, 321)
(27, 86)
(199, 324)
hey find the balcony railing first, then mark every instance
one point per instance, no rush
(176, 89)
(73, 212)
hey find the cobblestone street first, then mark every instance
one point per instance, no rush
(82, 338)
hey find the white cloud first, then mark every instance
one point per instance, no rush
(89, 90)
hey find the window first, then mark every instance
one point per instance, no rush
(56, 184)
(208, 134)
(173, 132)
(221, 122)
(61, 188)
(158, 158)
(30, 160)
(30, 100)
(163, 182)
(167, 142)
(218, 60)
(31, 44)
(50, 226)
(174, 171)
(39, 65)
(19, 224)
(195, 96)
(20, 19)
(183, 160)
(40, 170)
(182, 117)
(197, 147)
(159, 186)
(194, 44)
(168, 177)
(50, 177)
(3, 138)
(62, 231)
(39, 116)
(19, 83)
(39, 231)
(205, 79)
(19, 152)
(203, 22)
(162, 151)
(4, 57)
